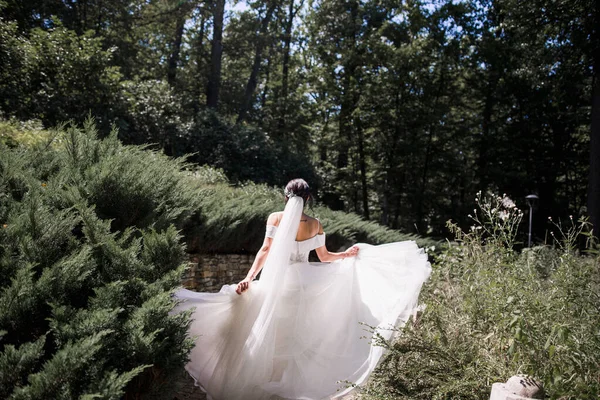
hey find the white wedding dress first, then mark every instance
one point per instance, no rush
(300, 331)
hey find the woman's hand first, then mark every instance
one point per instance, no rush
(243, 286)
(351, 252)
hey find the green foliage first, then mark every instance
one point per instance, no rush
(234, 220)
(153, 114)
(89, 254)
(15, 362)
(344, 228)
(397, 111)
(243, 152)
(493, 312)
(27, 133)
(56, 75)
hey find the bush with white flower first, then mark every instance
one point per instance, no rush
(497, 220)
(494, 311)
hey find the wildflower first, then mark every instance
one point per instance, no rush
(44, 184)
(570, 216)
(4, 226)
(503, 215)
(549, 218)
(507, 202)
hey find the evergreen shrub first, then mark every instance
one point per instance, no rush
(89, 253)
(493, 312)
(234, 217)
(15, 133)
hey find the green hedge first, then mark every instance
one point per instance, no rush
(89, 253)
(234, 218)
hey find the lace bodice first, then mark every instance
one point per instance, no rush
(301, 248)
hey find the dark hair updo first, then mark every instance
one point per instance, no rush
(297, 187)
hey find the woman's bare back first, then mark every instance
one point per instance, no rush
(308, 228)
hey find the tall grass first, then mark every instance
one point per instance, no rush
(493, 312)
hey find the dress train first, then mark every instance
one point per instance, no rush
(316, 340)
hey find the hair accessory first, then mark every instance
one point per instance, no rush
(289, 194)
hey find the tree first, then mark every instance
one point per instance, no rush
(289, 24)
(176, 49)
(260, 45)
(57, 75)
(594, 176)
(214, 80)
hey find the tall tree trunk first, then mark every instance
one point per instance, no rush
(428, 151)
(594, 177)
(484, 140)
(214, 80)
(363, 169)
(199, 43)
(345, 127)
(494, 68)
(321, 143)
(385, 201)
(175, 51)
(346, 166)
(99, 19)
(395, 224)
(286, 66)
(391, 188)
(263, 99)
(347, 105)
(260, 45)
(85, 16)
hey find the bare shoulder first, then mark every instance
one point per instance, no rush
(315, 225)
(320, 227)
(275, 218)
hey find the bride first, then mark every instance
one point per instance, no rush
(299, 331)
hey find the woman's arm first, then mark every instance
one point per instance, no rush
(259, 260)
(327, 256)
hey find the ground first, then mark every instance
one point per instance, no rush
(188, 391)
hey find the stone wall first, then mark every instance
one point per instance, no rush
(208, 272)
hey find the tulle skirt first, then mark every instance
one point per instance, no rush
(320, 341)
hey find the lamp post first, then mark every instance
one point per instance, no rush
(530, 200)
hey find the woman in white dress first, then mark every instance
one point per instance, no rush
(299, 331)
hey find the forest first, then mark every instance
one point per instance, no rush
(134, 132)
(399, 111)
